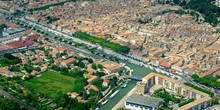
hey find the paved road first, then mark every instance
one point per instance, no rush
(83, 52)
(68, 36)
(7, 95)
(105, 50)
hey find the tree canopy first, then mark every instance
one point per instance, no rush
(3, 26)
(48, 6)
(7, 104)
(103, 42)
(199, 88)
(205, 7)
(212, 81)
(94, 66)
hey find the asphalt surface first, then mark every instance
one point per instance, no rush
(105, 50)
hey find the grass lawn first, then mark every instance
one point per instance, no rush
(51, 83)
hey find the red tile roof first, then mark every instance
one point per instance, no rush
(32, 37)
(107, 81)
(94, 87)
(5, 8)
(90, 73)
(28, 30)
(4, 47)
(114, 68)
(60, 48)
(69, 60)
(20, 43)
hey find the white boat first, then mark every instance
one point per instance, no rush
(113, 95)
(164, 72)
(103, 103)
(146, 66)
(158, 70)
(141, 64)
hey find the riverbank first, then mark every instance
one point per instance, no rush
(139, 71)
(122, 92)
(121, 102)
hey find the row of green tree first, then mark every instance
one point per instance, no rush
(48, 6)
(186, 102)
(200, 89)
(103, 42)
(212, 81)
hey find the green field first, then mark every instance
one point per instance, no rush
(51, 83)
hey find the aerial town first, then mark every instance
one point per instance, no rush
(110, 54)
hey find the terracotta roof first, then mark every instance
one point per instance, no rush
(33, 72)
(2, 70)
(114, 68)
(94, 87)
(28, 30)
(60, 49)
(165, 63)
(54, 53)
(87, 86)
(20, 43)
(107, 81)
(69, 60)
(32, 37)
(5, 8)
(109, 75)
(91, 72)
(73, 93)
(152, 58)
(4, 47)
(92, 79)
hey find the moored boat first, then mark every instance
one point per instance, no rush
(103, 103)
(113, 95)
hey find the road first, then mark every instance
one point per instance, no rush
(105, 50)
(7, 95)
(68, 36)
(83, 52)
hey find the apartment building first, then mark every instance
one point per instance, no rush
(202, 100)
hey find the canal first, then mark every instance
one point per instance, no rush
(139, 71)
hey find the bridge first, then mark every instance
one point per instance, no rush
(135, 78)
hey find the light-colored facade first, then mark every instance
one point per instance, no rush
(202, 100)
